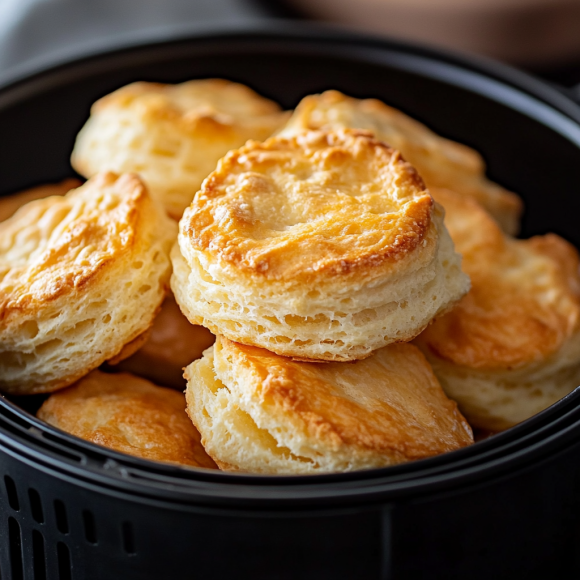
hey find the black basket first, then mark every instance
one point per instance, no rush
(505, 507)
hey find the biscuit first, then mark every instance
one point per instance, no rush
(10, 203)
(81, 276)
(172, 343)
(511, 347)
(128, 414)
(172, 135)
(322, 246)
(262, 413)
(440, 162)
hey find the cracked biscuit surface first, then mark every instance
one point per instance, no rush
(321, 246)
(172, 135)
(440, 162)
(128, 414)
(258, 412)
(81, 276)
(511, 347)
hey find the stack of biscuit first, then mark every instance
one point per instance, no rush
(310, 257)
(323, 255)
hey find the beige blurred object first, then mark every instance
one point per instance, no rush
(521, 31)
(11, 203)
(172, 343)
(172, 135)
(511, 347)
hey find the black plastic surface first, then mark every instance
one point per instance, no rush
(506, 506)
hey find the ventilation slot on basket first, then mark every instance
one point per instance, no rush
(64, 565)
(90, 528)
(60, 513)
(15, 549)
(38, 557)
(11, 493)
(35, 506)
(128, 538)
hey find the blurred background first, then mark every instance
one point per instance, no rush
(542, 36)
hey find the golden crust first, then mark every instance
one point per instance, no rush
(46, 266)
(290, 417)
(441, 162)
(524, 301)
(80, 276)
(170, 345)
(320, 203)
(10, 203)
(128, 414)
(172, 135)
(322, 246)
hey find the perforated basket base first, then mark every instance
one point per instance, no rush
(57, 530)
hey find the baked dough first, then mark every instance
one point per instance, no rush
(262, 413)
(172, 135)
(440, 162)
(171, 344)
(128, 414)
(81, 275)
(10, 203)
(511, 347)
(322, 246)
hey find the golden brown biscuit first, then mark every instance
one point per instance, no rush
(80, 276)
(323, 246)
(128, 414)
(172, 135)
(172, 343)
(511, 347)
(441, 163)
(10, 203)
(262, 413)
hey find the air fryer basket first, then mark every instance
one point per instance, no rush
(505, 506)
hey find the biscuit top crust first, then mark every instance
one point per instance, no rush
(128, 414)
(11, 203)
(390, 402)
(316, 203)
(56, 245)
(201, 106)
(524, 301)
(441, 162)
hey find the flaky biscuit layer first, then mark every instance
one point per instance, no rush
(81, 276)
(441, 162)
(128, 414)
(511, 347)
(172, 135)
(262, 413)
(323, 246)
